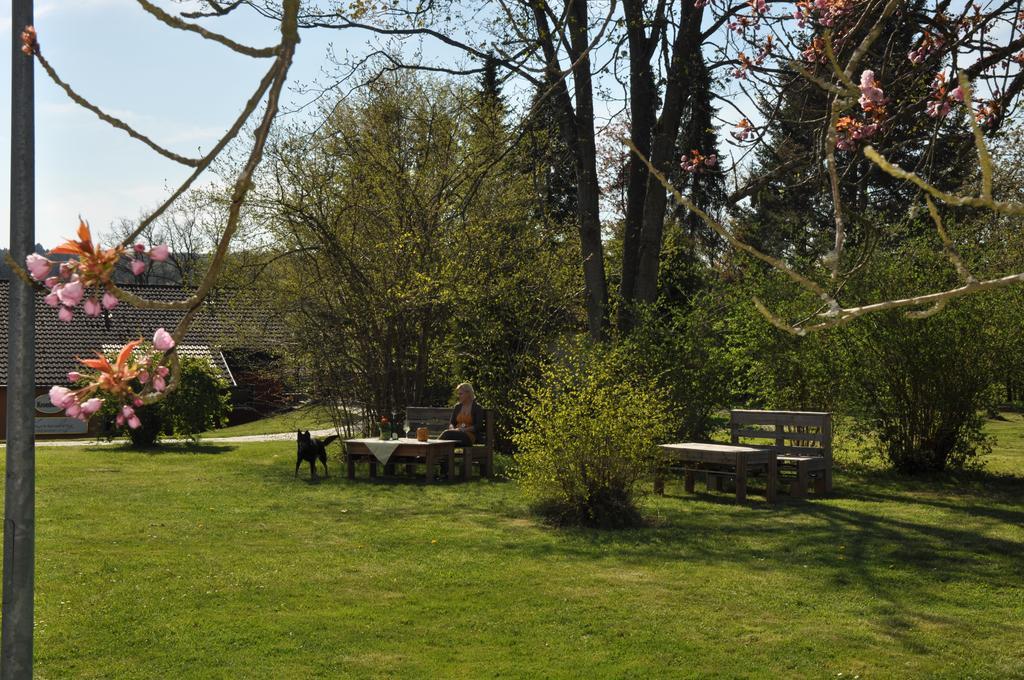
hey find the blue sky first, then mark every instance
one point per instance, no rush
(174, 86)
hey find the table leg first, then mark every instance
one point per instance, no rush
(450, 460)
(430, 465)
(373, 468)
(467, 463)
(351, 462)
(800, 485)
(741, 479)
(688, 478)
(773, 480)
(714, 482)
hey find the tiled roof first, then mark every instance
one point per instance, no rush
(219, 325)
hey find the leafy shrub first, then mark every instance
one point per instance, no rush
(200, 402)
(924, 385)
(587, 437)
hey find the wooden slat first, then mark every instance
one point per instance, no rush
(426, 416)
(802, 451)
(793, 418)
(772, 434)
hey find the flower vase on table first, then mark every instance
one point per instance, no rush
(385, 428)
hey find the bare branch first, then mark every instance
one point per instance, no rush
(947, 243)
(175, 22)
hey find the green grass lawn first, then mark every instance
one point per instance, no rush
(216, 563)
(312, 417)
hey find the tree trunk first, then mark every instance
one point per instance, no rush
(577, 129)
(642, 103)
(685, 50)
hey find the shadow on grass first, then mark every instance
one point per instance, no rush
(200, 448)
(908, 543)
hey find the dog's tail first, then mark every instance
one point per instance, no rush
(330, 439)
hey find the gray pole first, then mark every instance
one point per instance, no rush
(19, 491)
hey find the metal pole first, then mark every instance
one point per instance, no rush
(19, 491)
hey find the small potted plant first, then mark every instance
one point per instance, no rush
(385, 428)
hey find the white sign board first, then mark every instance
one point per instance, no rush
(60, 426)
(43, 404)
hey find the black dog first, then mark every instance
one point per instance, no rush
(310, 448)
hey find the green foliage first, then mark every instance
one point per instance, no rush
(923, 383)
(587, 437)
(776, 370)
(680, 348)
(200, 403)
(409, 252)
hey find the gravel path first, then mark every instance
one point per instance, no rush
(281, 436)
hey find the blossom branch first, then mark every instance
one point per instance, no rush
(175, 22)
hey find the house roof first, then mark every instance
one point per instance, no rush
(220, 325)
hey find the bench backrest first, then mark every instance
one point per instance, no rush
(801, 433)
(437, 420)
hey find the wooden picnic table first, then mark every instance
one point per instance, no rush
(717, 460)
(409, 451)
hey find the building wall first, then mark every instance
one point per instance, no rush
(50, 423)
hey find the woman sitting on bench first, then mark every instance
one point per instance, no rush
(467, 418)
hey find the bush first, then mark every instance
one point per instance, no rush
(924, 385)
(200, 402)
(587, 436)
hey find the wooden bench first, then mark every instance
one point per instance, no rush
(802, 441)
(437, 420)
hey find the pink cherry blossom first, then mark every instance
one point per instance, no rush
(71, 293)
(162, 340)
(91, 406)
(163, 371)
(871, 96)
(52, 299)
(51, 281)
(109, 300)
(138, 266)
(957, 94)
(61, 397)
(65, 314)
(143, 377)
(138, 402)
(160, 252)
(38, 266)
(119, 420)
(73, 410)
(134, 422)
(159, 384)
(74, 376)
(92, 307)
(139, 248)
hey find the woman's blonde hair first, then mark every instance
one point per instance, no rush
(466, 386)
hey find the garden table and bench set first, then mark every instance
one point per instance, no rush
(435, 455)
(800, 453)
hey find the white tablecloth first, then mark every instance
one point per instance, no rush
(381, 449)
